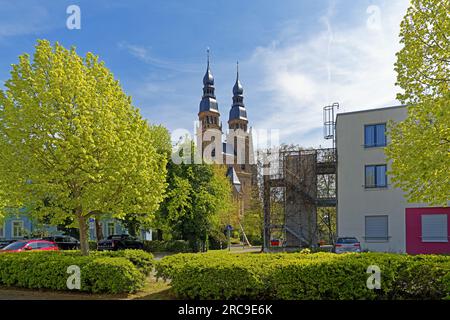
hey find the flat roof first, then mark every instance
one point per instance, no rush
(370, 110)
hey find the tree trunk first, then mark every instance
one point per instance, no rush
(98, 230)
(132, 230)
(84, 243)
(159, 235)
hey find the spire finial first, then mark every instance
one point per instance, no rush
(237, 69)
(207, 54)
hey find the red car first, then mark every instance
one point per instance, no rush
(26, 245)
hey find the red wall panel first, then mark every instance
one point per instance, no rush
(414, 244)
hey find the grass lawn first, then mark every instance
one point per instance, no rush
(153, 290)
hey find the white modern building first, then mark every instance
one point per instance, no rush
(368, 206)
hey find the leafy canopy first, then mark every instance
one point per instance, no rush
(72, 143)
(420, 145)
(196, 197)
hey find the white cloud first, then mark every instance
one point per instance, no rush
(352, 65)
(145, 55)
(20, 18)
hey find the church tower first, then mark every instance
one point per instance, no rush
(209, 115)
(238, 123)
(238, 113)
(236, 154)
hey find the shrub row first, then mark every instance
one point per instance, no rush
(101, 272)
(92, 245)
(167, 246)
(299, 276)
(142, 260)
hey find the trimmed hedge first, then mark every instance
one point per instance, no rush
(142, 260)
(176, 246)
(112, 275)
(297, 276)
(101, 272)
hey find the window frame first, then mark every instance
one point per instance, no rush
(376, 239)
(107, 228)
(375, 135)
(376, 185)
(13, 236)
(433, 240)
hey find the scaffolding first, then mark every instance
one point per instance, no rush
(294, 185)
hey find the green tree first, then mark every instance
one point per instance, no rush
(72, 143)
(326, 224)
(253, 220)
(196, 195)
(420, 145)
(133, 222)
(226, 206)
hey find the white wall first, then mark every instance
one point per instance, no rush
(354, 200)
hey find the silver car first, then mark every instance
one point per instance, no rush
(347, 244)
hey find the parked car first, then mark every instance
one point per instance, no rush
(25, 245)
(120, 242)
(64, 242)
(347, 244)
(4, 243)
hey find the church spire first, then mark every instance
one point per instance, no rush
(238, 113)
(209, 109)
(237, 89)
(209, 98)
(208, 79)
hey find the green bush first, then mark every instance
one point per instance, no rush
(112, 275)
(142, 260)
(255, 240)
(166, 246)
(154, 246)
(305, 276)
(235, 240)
(216, 243)
(107, 272)
(92, 245)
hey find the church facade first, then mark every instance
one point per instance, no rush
(236, 149)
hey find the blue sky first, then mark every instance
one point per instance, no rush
(295, 56)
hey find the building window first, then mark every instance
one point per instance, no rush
(2, 230)
(375, 176)
(17, 229)
(375, 135)
(111, 228)
(376, 228)
(434, 228)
